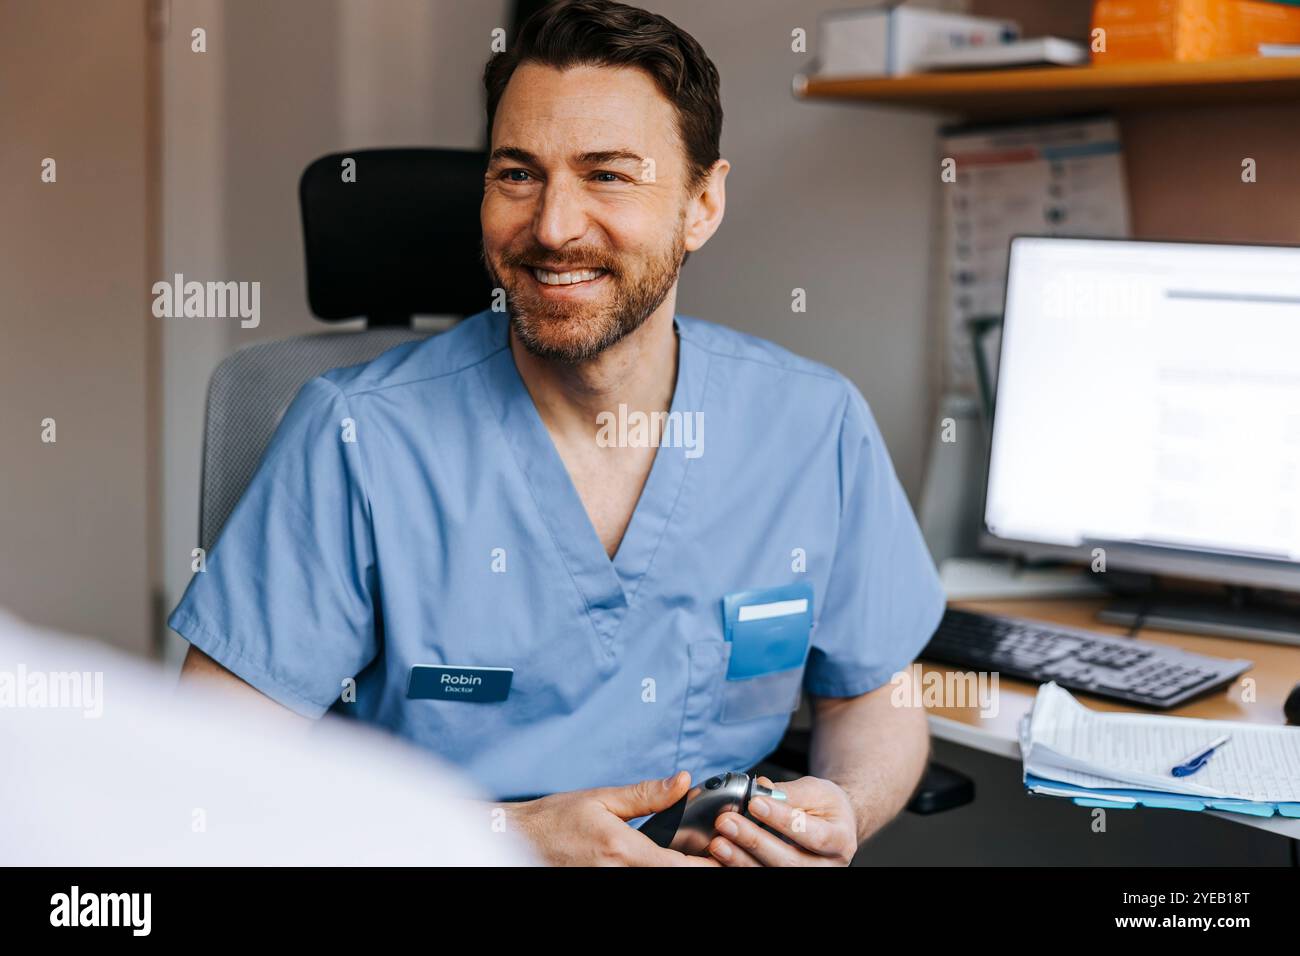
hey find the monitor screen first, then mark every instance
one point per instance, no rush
(1148, 395)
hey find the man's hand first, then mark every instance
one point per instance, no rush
(589, 827)
(814, 826)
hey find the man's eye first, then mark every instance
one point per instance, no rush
(516, 176)
(605, 177)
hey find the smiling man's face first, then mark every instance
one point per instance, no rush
(584, 206)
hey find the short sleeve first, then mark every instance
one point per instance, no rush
(287, 598)
(883, 600)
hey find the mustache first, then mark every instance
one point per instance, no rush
(586, 258)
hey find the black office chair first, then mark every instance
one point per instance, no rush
(402, 240)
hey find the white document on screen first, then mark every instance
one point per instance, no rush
(1150, 394)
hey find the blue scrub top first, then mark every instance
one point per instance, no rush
(414, 510)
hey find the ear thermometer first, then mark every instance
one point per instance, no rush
(687, 826)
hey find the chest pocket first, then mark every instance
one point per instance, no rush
(731, 725)
(742, 690)
(769, 631)
(767, 695)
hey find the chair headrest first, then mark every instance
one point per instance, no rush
(402, 240)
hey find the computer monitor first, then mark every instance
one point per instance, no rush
(1148, 405)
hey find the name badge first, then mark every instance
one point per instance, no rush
(479, 685)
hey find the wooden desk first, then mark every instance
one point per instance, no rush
(1276, 672)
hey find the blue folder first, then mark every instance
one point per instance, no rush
(1161, 799)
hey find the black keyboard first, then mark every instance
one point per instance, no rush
(1123, 668)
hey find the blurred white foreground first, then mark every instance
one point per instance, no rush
(166, 776)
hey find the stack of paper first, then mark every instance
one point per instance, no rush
(1040, 50)
(1122, 760)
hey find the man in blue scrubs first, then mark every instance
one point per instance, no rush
(588, 549)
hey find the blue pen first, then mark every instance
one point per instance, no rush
(1198, 760)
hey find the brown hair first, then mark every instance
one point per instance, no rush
(603, 33)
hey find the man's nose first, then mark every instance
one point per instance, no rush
(560, 218)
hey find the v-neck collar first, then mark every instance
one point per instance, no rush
(608, 586)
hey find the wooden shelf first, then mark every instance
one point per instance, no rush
(1060, 90)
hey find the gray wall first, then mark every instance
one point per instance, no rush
(76, 328)
(833, 199)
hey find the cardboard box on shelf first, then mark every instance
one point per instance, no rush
(890, 41)
(1190, 30)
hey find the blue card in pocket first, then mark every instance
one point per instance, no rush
(769, 629)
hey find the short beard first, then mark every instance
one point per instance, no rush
(538, 324)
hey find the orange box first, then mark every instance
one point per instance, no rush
(1190, 30)
(1266, 23)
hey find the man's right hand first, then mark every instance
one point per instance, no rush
(589, 827)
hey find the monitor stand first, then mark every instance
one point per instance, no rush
(995, 579)
(1238, 615)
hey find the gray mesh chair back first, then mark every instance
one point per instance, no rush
(248, 395)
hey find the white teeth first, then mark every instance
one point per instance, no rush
(566, 278)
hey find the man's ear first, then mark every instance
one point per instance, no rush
(704, 213)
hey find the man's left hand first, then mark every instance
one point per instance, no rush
(813, 826)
